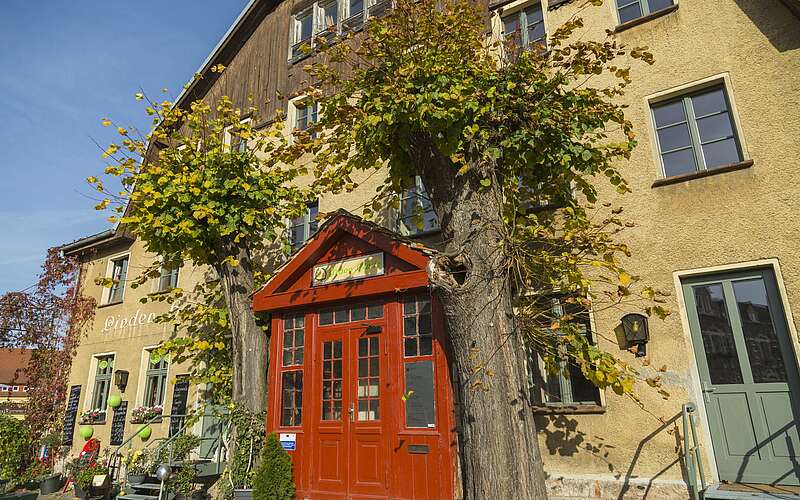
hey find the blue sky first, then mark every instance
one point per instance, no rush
(63, 67)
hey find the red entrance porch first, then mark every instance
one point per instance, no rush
(358, 379)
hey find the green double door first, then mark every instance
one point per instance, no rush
(748, 375)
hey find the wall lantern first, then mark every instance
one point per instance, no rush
(121, 379)
(637, 332)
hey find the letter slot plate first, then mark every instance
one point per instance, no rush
(418, 449)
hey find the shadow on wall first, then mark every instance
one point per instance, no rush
(778, 20)
(563, 438)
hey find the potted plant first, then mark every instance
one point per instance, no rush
(83, 473)
(143, 414)
(137, 466)
(94, 416)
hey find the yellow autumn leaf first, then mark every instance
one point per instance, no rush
(106, 122)
(625, 279)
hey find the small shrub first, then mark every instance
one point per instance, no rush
(15, 448)
(274, 479)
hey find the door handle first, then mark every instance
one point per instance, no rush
(707, 390)
(351, 411)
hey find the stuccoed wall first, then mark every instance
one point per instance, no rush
(731, 218)
(111, 332)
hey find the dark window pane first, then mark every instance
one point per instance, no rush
(306, 25)
(656, 5)
(583, 391)
(425, 324)
(326, 350)
(709, 102)
(410, 326)
(763, 350)
(357, 313)
(287, 357)
(721, 153)
(410, 347)
(356, 6)
(420, 408)
(410, 307)
(341, 315)
(630, 12)
(425, 346)
(715, 127)
(363, 367)
(362, 347)
(715, 329)
(534, 14)
(679, 162)
(375, 311)
(337, 349)
(373, 347)
(510, 23)
(337, 369)
(326, 317)
(674, 137)
(669, 114)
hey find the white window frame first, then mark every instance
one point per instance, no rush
(157, 282)
(142, 384)
(291, 114)
(540, 366)
(723, 80)
(89, 398)
(344, 22)
(110, 274)
(307, 221)
(227, 138)
(517, 8)
(406, 230)
(645, 5)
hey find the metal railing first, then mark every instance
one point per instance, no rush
(691, 452)
(115, 458)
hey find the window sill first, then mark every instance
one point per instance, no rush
(644, 19)
(109, 304)
(568, 410)
(703, 173)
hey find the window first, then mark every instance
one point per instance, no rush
(293, 331)
(629, 10)
(332, 380)
(327, 18)
(168, 279)
(416, 210)
(301, 228)
(567, 386)
(292, 400)
(119, 271)
(102, 381)
(696, 132)
(155, 379)
(417, 327)
(303, 25)
(368, 378)
(305, 115)
(525, 27)
(292, 380)
(346, 314)
(418, 362)
(236, 142)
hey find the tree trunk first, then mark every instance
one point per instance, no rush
(499, 450)
(249, 341)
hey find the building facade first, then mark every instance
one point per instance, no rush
(13, 382)
(713, 181)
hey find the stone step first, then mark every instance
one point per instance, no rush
(750, 492)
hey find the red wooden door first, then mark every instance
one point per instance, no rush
(350, 455)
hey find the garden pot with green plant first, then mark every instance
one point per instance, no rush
(15, 450)
(83, 474)
(137, 466)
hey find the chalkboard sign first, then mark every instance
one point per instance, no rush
(71, 414)
(420, 407)
(118, 423)
(180, 397)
